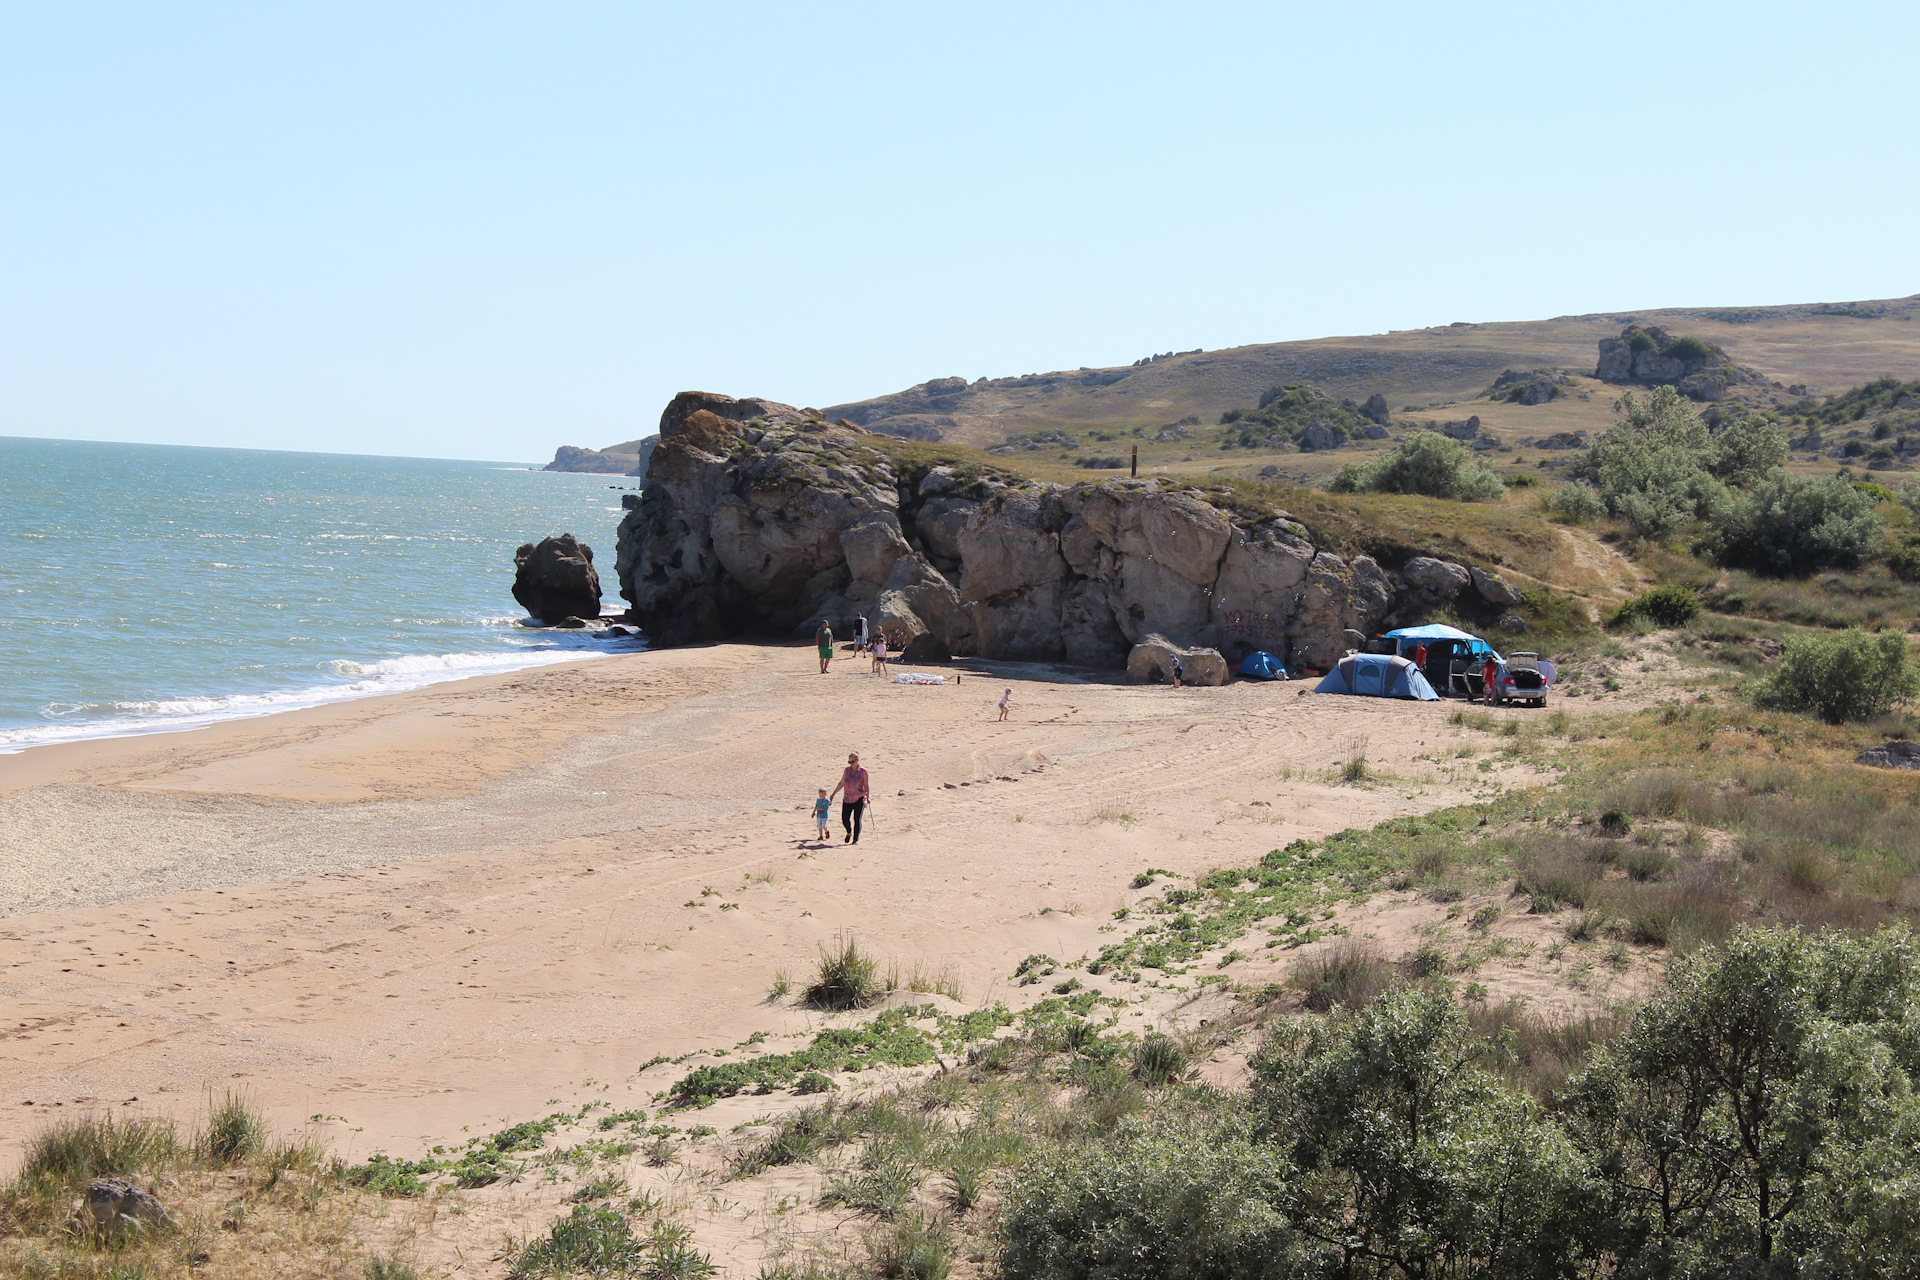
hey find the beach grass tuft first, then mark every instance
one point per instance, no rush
(845, 978)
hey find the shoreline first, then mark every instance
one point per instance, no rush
(242, 707)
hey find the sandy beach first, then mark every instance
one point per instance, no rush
(442, 909)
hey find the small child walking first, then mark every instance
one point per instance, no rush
(1006, 701)
(821, 807)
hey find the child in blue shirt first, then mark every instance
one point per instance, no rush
(821, 807)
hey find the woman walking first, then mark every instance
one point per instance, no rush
(853, 790)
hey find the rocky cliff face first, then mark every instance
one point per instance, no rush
(625, 459)
(758, 518)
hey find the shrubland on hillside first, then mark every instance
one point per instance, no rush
(1523, 380)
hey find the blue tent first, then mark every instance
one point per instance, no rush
(1261, 665)
(1377, 675)
(1406, 638)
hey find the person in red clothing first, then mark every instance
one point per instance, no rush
(1490, 680)
(853, 790)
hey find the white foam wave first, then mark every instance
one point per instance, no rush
(361, 680)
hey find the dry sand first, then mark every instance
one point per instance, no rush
(431, 912)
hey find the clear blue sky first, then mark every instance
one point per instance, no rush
(482, 230)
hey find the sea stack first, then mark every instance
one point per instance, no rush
(554, 579)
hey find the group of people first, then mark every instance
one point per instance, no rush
(875, 647)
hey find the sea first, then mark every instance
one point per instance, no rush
(146, 588)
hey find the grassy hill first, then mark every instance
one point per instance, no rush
(1814, 349)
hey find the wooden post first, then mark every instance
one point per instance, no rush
(1136, 461)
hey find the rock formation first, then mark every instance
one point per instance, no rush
(1652, 356)
(554, 579)
(1528, 386)
(759, 518)
(1151, 662)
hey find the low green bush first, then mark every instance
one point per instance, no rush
(1848, 676)
(1158, 1060)
(1182, 1196)
(1425, 462)
(1793, 524)
(1668, 606)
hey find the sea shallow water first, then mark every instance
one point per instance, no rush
(154, 587)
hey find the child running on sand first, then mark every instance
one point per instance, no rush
(821, 808)
(1006, 701)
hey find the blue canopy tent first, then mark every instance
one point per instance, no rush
(1377, 675)
(1261, 665)
(1407, 639)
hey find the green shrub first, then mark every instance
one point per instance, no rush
(1791, 524)
(1747, 449)
(1650, 466)
(1403, 1148)
(1848, 676)
(1669, 606)
(1689, 348)
(1574, 503)
(1158, 1060)
(1903, 561)
(1425, 462)
(1183, 1196)
(1757, 1116)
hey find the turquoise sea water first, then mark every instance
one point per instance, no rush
(147, 587)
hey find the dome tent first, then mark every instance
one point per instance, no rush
(1377, 675)
(1261, 665)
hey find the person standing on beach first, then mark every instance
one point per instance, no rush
(823, 641)
(880, 654)
(853, 790)
(1177, 671)
(860, 630)
(1006, 701)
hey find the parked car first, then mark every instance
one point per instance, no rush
(1524, 677)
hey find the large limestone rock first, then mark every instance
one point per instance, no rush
(1438, 580)
(555, 579)
(1261, 587)
(1339, 597)
(759, 518)
(1493, 588)
(1010, 545)
(1151, 662)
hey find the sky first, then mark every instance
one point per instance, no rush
(483, 230)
